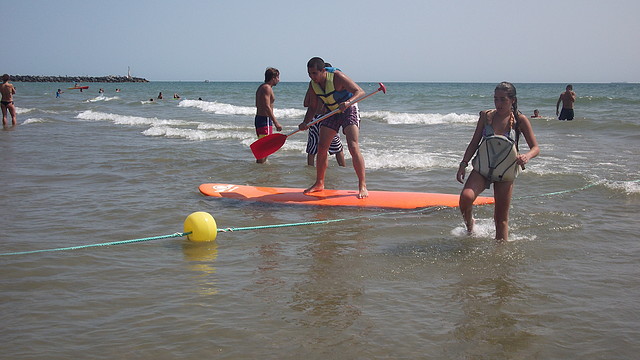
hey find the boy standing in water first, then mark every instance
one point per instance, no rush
(7, 91)
(337, 91)
(314, 135)
(265, 119)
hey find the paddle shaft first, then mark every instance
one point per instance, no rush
(327, 115)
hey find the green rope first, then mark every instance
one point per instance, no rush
(188, 233)
(564, 191)
(279, 225)
(555, 192)
(99, 244)
(319, 221)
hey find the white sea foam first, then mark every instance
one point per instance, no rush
(216, 126)
(34, 121)
(102, 98)
(289, 113)
(194, 134)
(23, 110)
(218, 108)
(129, 120)
(379, 159)
(419, 118)
(229, 109)
(485, 229)
(629, 187)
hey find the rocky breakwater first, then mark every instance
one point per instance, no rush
(77, 79)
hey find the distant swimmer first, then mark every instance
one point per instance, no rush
(160, 95)
(176, 96)
(265, 120)
(101, 91)
(536, 114)
(567, 98)
(8, 90)
(58, 93)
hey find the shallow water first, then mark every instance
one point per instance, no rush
(88, 169)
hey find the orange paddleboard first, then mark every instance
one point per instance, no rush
(376, 199)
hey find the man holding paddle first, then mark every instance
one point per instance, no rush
(338, 92)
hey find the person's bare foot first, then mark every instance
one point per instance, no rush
(363, 193)
(314, 188)
(470, 226)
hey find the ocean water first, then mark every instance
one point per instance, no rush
(87, 169)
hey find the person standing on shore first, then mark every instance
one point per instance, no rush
(265, 119)
(567, 98)
(8, 90)
(337, 91)
(504, 120)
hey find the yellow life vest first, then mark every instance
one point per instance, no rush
(329, 96)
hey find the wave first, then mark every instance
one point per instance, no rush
(229, 109)
(383, 159)
(23, 110)
(102, 98)
(195, 134)
(129, 120)
(629, 187)
(389, 117)
(419, 118)
(609, 100)
(218, 108)
(34, 121)
(170, 128)
(215, 126)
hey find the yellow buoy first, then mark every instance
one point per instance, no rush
(201, 226)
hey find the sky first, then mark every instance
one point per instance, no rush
(535, 41)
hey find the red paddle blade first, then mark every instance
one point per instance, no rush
(267, 145)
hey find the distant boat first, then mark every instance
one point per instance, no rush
(206, 81)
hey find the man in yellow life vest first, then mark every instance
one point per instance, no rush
(337, 91)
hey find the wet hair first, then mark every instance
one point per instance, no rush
(270, 73)
(569, 87)
(511, 94)
(316, 63)
(5, 77)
